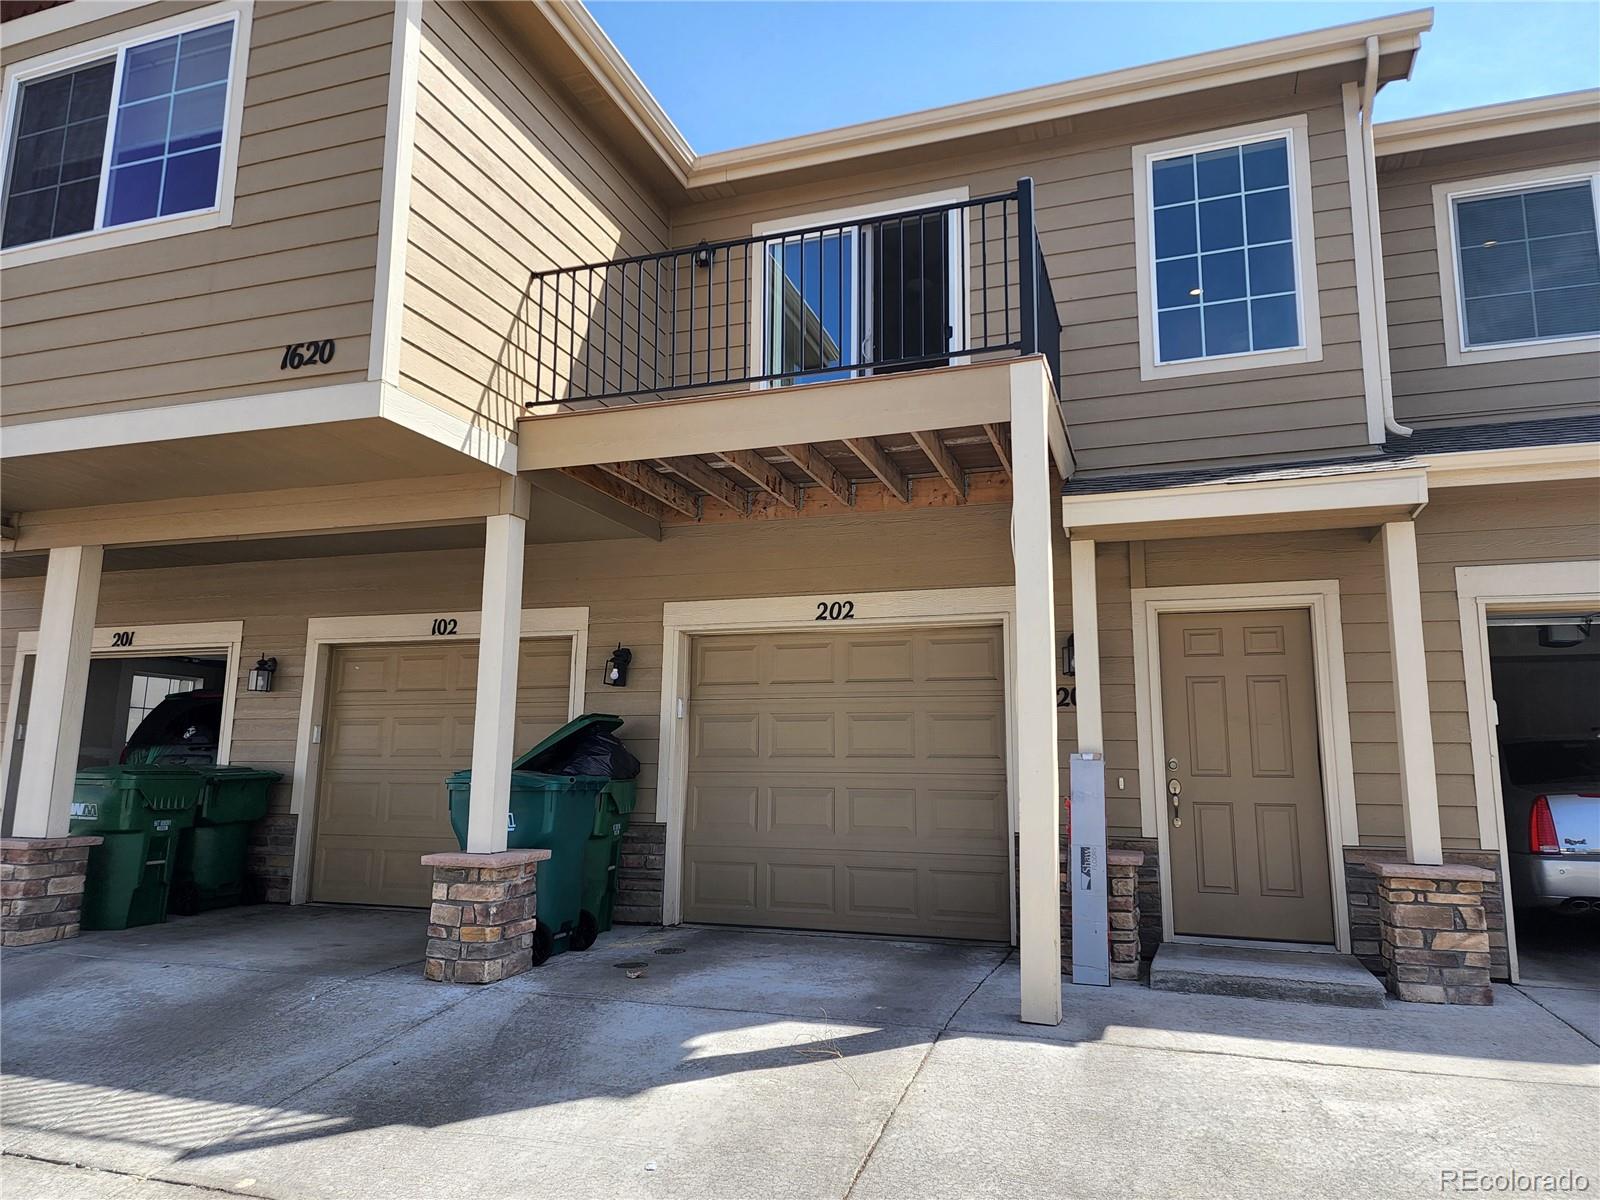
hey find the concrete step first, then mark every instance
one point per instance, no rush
(1308, 977)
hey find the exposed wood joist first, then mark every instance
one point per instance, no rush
(623, 493)
(872, 457)
(1000, 438)
(763, 474)
(931, 444)
(816, 465)
(711, 481)
(653, 483)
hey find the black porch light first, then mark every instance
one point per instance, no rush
(616, 672)
(702, 255)
(261, 674)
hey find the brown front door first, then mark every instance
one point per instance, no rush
(1246, 825)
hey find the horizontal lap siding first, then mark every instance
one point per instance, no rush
(1084, 198)
(506, 181)
(1427, 391)
(623, 583)
(204, 315)
(1471, 527)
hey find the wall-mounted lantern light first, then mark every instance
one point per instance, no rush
(703, 255)
(616, 672)
(261, 674)
(1069, 659)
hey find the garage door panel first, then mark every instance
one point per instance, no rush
(803, 662)
(853, 780)
(802, 812)
(727, 811)
(399, 721)
(801, 735)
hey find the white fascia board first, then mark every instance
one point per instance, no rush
(1394, 489)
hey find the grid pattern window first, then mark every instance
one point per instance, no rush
(1528, 265)
(135, 136)
(1223, 228)
(149, 691)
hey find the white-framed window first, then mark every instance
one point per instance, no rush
(864, 285)
(123, 138)
(1519, 264)
(1225, 253)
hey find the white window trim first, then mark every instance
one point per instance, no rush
(82, 53)
(1456, 351)
(960, 235)
(1293, 128)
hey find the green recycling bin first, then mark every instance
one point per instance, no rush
(210, 868)
(603, 853)
(139, 811)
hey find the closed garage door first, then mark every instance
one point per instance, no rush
(849, 781)
(399, 720)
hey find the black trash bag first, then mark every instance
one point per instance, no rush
(596, 753)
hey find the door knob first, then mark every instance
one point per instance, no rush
(1174, 790)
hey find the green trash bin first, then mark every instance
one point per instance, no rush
(548, 812)
(603, 853)
(139, 811)
(210, 868)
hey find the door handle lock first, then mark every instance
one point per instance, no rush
(1174, 790)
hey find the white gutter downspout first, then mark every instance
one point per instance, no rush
(1369, 171)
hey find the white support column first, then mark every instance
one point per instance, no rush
(1086, 647)
(1419, 789)
(1033, 697)
(60, 681)
(494, 720)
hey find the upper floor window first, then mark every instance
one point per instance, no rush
(121, 133)
(1226, 270)
(1527, 264)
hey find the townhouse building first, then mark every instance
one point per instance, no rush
(1180, 415)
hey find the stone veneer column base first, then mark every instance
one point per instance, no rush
(1432, 932)
(640, 873)
(480, 928)
(1361, 888)
(1122, 898)
(41, 888)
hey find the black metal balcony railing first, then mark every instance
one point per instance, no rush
(874, 295)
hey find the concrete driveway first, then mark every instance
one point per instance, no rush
(299, 1053)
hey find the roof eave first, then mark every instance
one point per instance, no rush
(1567, 110)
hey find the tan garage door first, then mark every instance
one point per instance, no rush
(850, 781)
(399, 720)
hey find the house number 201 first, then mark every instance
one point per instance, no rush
(122, 637)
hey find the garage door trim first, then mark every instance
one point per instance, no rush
(682, 621)
(1527, 588)
(325, 634)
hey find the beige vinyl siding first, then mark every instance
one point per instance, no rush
(1084, 184)
(204, 315)
(1427, 391)
(507, 181)
(1525, 523)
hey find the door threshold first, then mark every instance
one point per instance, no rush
(1194, 939)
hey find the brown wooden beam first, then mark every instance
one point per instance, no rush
(1000, 438)
(815, 464)
(931, 444)
(712, 482)
(763, 474)
(621, 492)
(653, 483)
(880, 464)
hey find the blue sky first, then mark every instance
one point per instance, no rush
(730, 74)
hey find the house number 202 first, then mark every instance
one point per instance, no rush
(836, 610)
